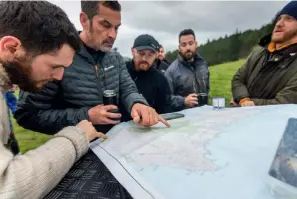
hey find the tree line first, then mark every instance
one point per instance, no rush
(230, 47)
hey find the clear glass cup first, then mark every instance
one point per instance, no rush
(218, 103)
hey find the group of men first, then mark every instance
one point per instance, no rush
(64, 75)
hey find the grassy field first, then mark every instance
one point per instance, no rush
(220, 83)
(28, 139)
(220, 79)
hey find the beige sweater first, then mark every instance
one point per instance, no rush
(37, 172)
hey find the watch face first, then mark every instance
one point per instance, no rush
(284, 165)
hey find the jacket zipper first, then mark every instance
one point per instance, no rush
(196, 81)
(103, 74)
(96, 70)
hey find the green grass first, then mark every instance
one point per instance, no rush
(220, 79)
(28, 139)
(220, 85)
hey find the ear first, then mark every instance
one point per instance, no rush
(84, 21)
(196, 42)
(10, 47)
(132, 51)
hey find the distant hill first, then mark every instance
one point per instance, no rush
(229, 48)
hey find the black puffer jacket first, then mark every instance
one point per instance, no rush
(67, 102)
(153, 86)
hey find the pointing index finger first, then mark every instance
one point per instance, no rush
(161, 119)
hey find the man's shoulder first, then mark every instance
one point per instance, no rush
(156, 72)
(173, 65)
(200, 60)
(256, 53)
(158, 75)
(114, 56)
(111, 57)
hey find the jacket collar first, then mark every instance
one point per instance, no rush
(5, 83)
(84, 52)
(265, 41)
(286, 52)
(197, 59)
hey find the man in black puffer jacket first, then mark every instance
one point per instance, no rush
(79, 95)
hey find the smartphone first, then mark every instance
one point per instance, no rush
(284, 164)
(171, 116)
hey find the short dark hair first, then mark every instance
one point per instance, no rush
(90, 8)
(159, 47)
(186, 32)
(40, 26)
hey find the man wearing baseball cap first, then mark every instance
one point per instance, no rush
(270, 74)
(151, 83)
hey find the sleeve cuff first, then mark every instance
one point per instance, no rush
(77, 137)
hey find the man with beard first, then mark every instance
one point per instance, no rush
(96, 68)
(270, 74)
(151, 83)
(161, 63)
(188, 75)
(37, 41)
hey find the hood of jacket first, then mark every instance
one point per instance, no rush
(265, 40)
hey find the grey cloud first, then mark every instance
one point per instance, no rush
(209, 19)
(210, 16)
(165, 19)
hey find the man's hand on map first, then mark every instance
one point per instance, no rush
(233, 103)
(88, 128)
(100, 115)
(191, 100)
(248, 103)
(146, 116)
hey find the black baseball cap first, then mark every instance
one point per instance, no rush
(146, 42)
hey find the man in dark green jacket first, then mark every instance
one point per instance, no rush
(79, 95)
(270, 74)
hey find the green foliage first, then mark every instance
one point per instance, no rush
(229, 48)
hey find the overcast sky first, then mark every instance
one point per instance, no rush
(165, 19)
